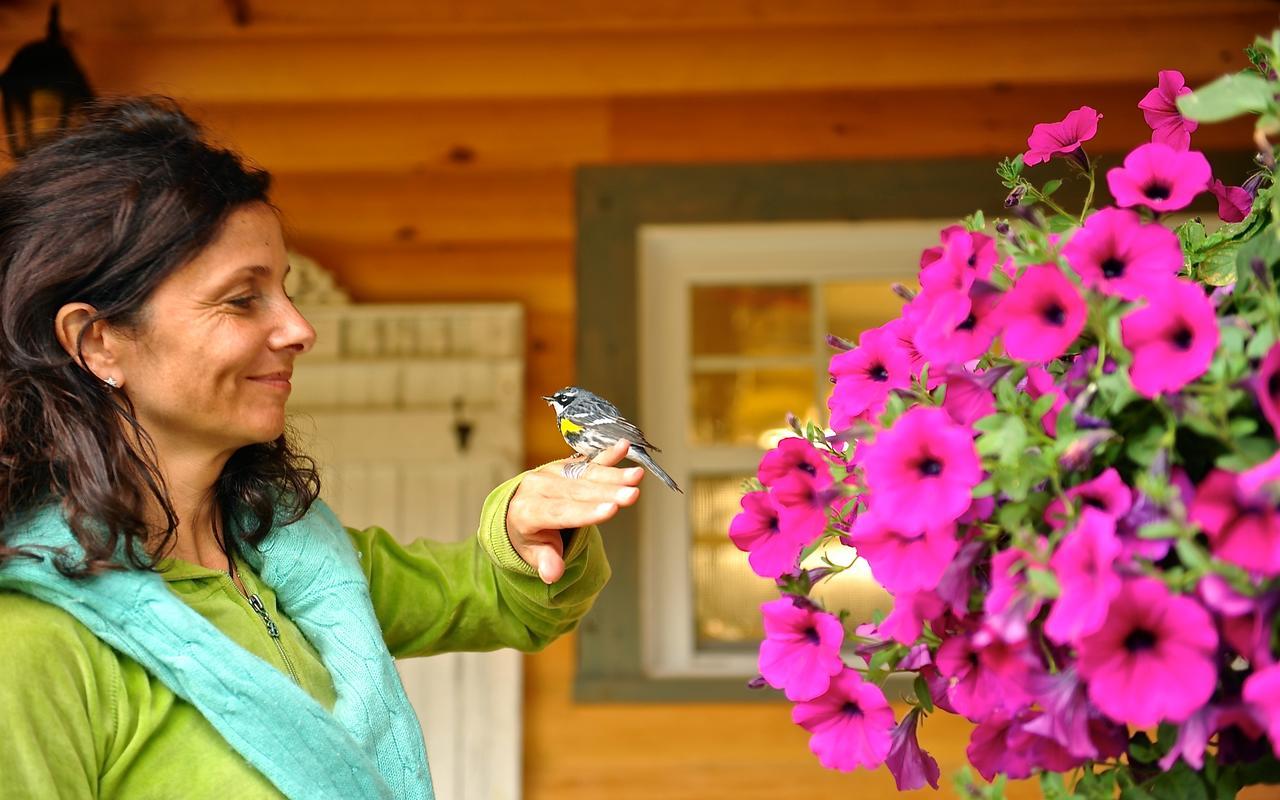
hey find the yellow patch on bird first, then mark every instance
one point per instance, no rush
(569, 426)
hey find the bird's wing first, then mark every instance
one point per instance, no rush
(621, 429)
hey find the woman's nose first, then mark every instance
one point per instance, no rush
(294, 332)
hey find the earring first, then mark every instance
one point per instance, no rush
(112, 382)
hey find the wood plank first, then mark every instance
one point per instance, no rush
(708, 752)
(218, 18)
(923, 123)
(430, 207)
(577, 65)
(326, 137)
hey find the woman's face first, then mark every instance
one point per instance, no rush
(209, 368)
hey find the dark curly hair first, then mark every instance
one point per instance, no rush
(102, 214)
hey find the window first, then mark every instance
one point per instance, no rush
(732, 335)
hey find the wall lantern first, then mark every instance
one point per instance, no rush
(42, 88)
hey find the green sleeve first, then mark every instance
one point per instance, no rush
(476, 595)
(56, 700)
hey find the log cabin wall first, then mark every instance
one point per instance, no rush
(424, 151)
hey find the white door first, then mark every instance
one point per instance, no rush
(383, 428)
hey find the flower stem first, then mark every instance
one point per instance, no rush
(1088, 198)
(1040, 197)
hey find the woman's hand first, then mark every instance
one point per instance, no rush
(546, 502)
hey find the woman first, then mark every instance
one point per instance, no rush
(181, 615)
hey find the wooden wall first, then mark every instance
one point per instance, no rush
(424, 151)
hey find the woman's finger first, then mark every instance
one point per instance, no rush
(607, 458)
(584, 491)
(544, 514)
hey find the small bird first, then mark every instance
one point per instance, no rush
(590, 425)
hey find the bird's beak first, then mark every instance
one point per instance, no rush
(547, 399)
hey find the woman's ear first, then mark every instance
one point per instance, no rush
(98, 345)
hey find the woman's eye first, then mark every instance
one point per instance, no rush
(246, 301)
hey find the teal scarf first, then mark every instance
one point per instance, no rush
(370, 746)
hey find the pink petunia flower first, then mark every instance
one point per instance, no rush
(851, 725)
(1245, 621)
(1266, 388)
(922, 470)
(1172, 339)
(1243, 527)
(1193, 738)
(1041, 315)
(958, 581)
(1107, 493)
(988, 679)
(903, 562)
(954, 327)
(904, 330)
(910, 611)
(1040, 383)
(1010, 605)
(1083, 566)
(969, 397)
(1115, 253)
(1158, 177)
(1010, 747)
(792, 454)
(911, 766)
(1153, 659)
(990, 753)
(962, 258)
(1048, 139)
(1234, 202)
(1262, 477)
(1262, 692)
(1160, 110)
(756, 530)
(865, 375)
(1067, 711)
(803, 504)
(801, 648)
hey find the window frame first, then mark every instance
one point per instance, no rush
(673, 259)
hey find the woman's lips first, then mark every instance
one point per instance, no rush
(278, 380)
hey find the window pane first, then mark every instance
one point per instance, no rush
(852, 307)
(737, 407)
(727, 594)
(751, 320)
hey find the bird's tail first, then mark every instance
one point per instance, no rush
(641, 456)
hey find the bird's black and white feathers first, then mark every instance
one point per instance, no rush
(590, 425)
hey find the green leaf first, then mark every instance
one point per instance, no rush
(1042, 405)
(1052, 787)
(1192, 554)
(1261, 342)
(1142, 749)
(923, 695)
(1227, 97)
(1243, 426)
(1191, 233)
(1179, 783)
(1165, 529)
(1051, 186)
(984, 489)
(976, 221)
(1219, 268)
(1097, 785)
(1251, 451)
(1043, 582)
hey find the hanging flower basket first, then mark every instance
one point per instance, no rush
(1061, 462)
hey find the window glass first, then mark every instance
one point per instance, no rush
(770, 320)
